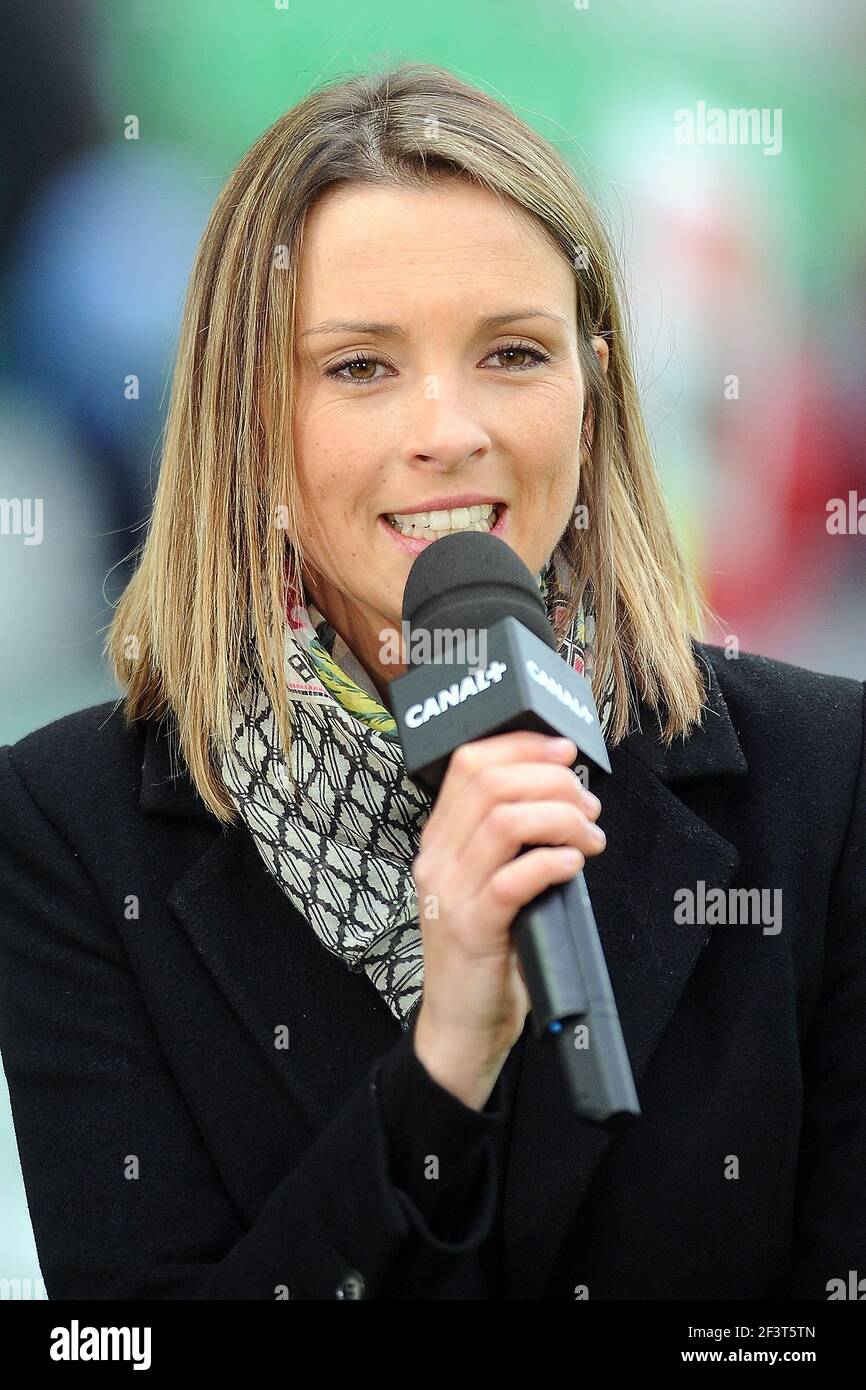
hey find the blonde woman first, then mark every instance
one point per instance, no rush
(242, 1062)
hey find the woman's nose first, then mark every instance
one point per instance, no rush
(444, 427)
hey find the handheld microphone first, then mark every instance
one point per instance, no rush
(472, 582)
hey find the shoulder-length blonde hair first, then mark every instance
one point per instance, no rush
(209, 592)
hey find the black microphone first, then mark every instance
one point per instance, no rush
(482, 660)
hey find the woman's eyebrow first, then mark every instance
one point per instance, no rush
(393, 330)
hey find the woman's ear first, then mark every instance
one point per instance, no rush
(599, 347)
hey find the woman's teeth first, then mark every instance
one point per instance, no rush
(429, 526)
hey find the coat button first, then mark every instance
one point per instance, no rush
(351, 1285)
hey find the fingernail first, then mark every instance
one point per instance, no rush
(592, 800)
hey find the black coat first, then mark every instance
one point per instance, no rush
(172, 1148)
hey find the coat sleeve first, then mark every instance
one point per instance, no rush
(830, 1210)
(437, 1145)
(124, 1197)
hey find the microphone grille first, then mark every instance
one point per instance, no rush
(469, 581)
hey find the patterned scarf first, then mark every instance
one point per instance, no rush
(340, 832)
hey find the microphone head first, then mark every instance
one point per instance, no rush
(469, 581)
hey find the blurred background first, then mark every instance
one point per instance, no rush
(745, 261)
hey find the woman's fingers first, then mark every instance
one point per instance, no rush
(518, 746)
(509, 825)
(499, 796)
(522, 879)
(475, 791)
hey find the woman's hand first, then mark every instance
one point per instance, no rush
(498, 794)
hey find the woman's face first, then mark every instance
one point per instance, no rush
(438, 407)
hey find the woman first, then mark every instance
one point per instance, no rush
(243, 1062)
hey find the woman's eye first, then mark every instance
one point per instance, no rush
(523, 350)
(364, 362)
(336, 372)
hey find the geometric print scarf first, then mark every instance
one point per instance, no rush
(340, 826)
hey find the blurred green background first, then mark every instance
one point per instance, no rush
(740, 264)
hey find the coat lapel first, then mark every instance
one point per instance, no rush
(277, 975)
(273, 970)
(655, 845)
(264, 956)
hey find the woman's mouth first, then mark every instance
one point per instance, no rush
(413, 533)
